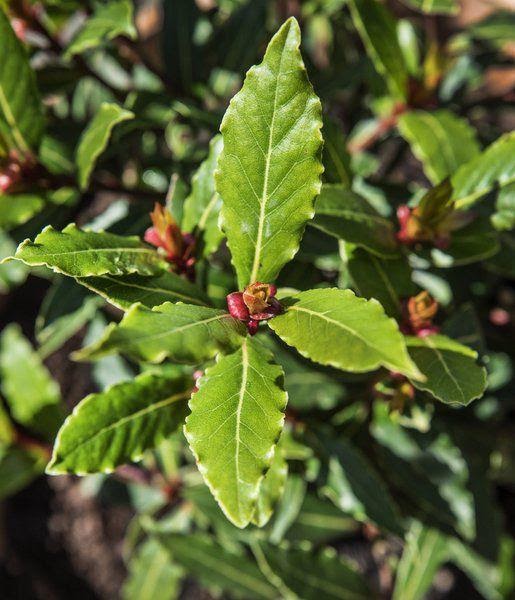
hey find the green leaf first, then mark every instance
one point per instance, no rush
(495, 167)
(377, 29)
(272, 487)
(117, 426)
(152, 575)
(18, 468)
(202, 206)
(385, 280)
(79, 253)
(21, 115)
(66, 309)
(107, 22)
(12, 273)
(312, 576)
(17, 209)
(472, 243)
(182, 332)
(355, 487)
(215, 566)
(504, 217)
(434, 7)
(347, 216)
(484, 575)
(440, 140)
(32, 395)
(236, 418)
(334, 327)
(452, 374)
(336, 157)
(95, 137)
(269, 169)
(288, 507)
(150, 290)
(425, 551)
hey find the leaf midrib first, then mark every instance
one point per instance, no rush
(264, 196)
(241, 396)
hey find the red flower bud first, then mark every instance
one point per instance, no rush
(237, 307)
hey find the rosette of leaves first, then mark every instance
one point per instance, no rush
(267, 168)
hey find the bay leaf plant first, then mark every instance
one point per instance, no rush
(293, 352)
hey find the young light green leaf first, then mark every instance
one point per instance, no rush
(334, 327)
(185, 333)
(107, 22)
(269, 169)
(272, 487)
(312, 576)
(236, 417)
(344, 214)
(452, 374)
(21, 115)
(150, 290)
(385, 280)
(434, 7)
(202, 206)
(152, 574)
(376, 27)
(425, 551)
(215, 566)
(95, 137)
(115, 427)
(440, 140)
(32, 395)
(493, 167)
(355, 487)
(79, 253)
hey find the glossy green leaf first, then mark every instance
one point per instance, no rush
(151, 290)
(235, 421)
(215, 566)
(21, 115)
(388, 281)
(185, 333)
(440, 140)
(376, 27)
(344, 214)
(107, 22)
(95, 137)
(424, 553)
(495, 167)
(311, 576)
(202, 206)
(356, 488)
(82, 253)
(334, 327)
(452, 374)
(269, 169)
(434, 7)
(336, 157)
(114, 427)
(272, 487)
(32, 395)
(152, 574)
